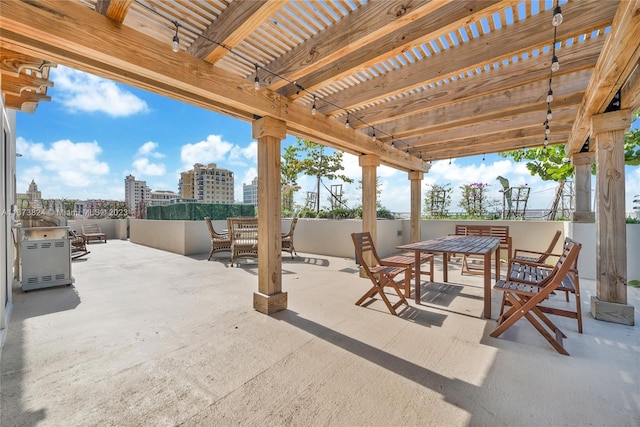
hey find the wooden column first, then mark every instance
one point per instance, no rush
(269, 298)
(369, 164)
(416, 199)
(582, 164)
(610, 304)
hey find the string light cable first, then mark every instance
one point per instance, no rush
(256, 81)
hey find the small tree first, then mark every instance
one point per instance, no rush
(309, 158)
(475, 200)
(437, 200)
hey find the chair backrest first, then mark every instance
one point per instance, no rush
(363, 244)
(212, 232)
(552, 245)
(567, 261)
(292, 227)
(499, 231)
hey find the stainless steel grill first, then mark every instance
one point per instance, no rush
(45, 257)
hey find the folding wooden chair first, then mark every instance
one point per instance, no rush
(525, 298)
(535, 256)
(380, 275)
(525, 270)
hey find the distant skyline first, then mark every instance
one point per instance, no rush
(95, 132)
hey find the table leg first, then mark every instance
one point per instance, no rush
(417, 273)
(487, 285)
(445, 268)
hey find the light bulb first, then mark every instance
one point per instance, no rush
(546, 141)
(313, 108)
(549, 115)
(555, 65)
(347, 125)
(373, 137)
(549, 96)
(175, 45)
(557, 17)
(547, 130)
(256, 83)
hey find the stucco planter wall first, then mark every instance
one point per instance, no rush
(333, 237)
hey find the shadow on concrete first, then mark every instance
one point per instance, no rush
(454, 391)
(46, 301)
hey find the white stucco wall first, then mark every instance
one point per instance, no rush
(333, 237)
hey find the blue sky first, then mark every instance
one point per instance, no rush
(95, 132)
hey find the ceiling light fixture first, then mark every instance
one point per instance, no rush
(555, 65)
(557, 16)
(175, 45)
(256, 80)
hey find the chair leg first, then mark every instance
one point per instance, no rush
(521, 307)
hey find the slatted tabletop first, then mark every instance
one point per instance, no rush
(465, 245)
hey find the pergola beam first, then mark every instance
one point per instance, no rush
(234, 24)
(126, 55)
(619, 58)
(502, 44)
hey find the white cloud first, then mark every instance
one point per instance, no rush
(211, 150)
(143, 167)
(148, 149)
(81, 92)
(73, 164)
(244, 155)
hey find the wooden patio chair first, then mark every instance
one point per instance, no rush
(408, 260)
(287, 239)
(78, 245)
(525, 298)
(380, 275)
(220, 242)
(534, 274)
(534, 256)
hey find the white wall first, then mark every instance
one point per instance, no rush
(333, 237)
(7, 189)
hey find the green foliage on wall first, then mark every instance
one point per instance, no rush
(197, 211)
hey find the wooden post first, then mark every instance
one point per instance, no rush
(269, 298)
(369, 164)
(416, 199)
(582, 164)
(610, 304)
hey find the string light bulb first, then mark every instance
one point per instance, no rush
(546, 141)
(347, 125)
(175, 44)
(549, 96)
(256, 80)
(549, 115)
(313, 107)
(557, 16)
(555, 65)
(547, 129)
(393, 144)
(373, 137)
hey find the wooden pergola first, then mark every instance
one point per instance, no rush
(395, 82)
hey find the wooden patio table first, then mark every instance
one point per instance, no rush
(465, 245)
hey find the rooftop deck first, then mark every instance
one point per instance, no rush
(148, 337)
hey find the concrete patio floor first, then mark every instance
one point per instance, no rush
(147, 337)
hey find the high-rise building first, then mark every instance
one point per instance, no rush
(185, 185)
(162, 197)
(136, 194)
(250, 193)
(209, 184)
